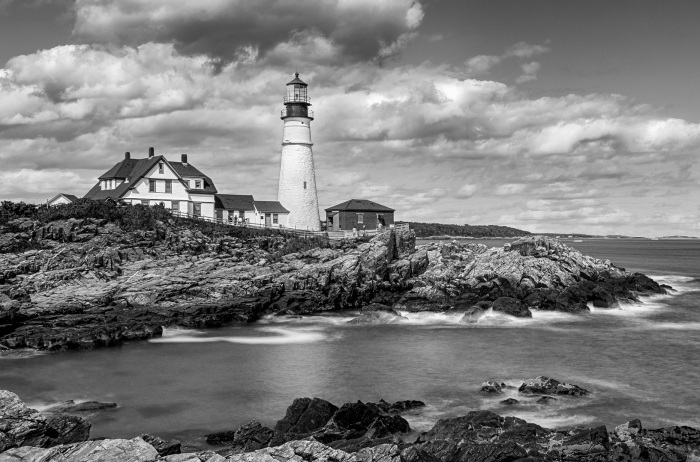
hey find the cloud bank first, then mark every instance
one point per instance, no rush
(435, 141)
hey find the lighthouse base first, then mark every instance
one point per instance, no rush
(297, 187)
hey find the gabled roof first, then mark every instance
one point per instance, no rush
(234, 202)
(70, 197)
(270, 207)
(360, 205)
(133, 170)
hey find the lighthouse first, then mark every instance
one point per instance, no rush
(297, 188)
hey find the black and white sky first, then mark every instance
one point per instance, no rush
(546, 115)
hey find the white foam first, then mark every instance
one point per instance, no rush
(21, 353)
(680, 284)
(178, 331)
(283, 337)
(307, 320)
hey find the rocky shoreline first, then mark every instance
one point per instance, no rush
(317, 430)
(88, 283)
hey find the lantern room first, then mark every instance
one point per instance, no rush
(297, 91)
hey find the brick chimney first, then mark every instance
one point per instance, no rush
(151, 152)
(184, 158)
(127, 155)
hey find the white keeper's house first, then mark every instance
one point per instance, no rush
(181, 187)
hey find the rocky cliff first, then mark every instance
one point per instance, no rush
(316, 430)
(85, 283)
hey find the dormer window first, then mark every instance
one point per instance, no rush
(197, 184)
(161, 168)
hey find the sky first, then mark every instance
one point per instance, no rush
(555, 116)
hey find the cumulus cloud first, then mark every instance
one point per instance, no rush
(223, 29)
(529, 72)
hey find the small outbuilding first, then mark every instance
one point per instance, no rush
(62, 198)
(358, 214)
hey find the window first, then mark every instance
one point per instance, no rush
(197, 209)
(168, 186)
(304, 184)
(144, 202)
(360, 217)
(152, 186)
(241, 214)
(160, 168)
(275, 218)
(230, 216)
(197, 184)
(175, 206)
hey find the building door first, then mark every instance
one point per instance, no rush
(197, 209)
(220, 216)
(268, 219)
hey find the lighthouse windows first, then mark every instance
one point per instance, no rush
(304, 184)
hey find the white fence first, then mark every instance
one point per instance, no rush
(297, 231)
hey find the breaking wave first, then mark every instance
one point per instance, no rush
(279, 336)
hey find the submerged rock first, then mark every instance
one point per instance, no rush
(491, 386)
(545, 386)
(86, 407)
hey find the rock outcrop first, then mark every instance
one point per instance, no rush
(80, 284)
(479, 436)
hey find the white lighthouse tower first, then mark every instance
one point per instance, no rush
(297, 189)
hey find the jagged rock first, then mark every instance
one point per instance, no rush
(19, 424)
(134, 450)
(491, 386)
(164, 448)
(249, 437)
(585, 443)
(399, 407)
(628, 429)
(86, 407)
(512, 307)
(67, 429)
(303, 417)
(545, 386)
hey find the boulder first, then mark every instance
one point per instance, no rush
(546, 400)
(19, 424)
(628, 429)
(511, 306)
(249, 437)
(67, 429)
(510, 401)
(399, 407)
(164, 448)
(585, 443)
(545, 386)
(493, 387)
(472, 315)
(303, 417)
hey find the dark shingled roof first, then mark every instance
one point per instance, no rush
(234, 202)
(360, 205)
(270, 207)
(134, 169)
(297, 81)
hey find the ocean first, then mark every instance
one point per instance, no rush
(639, 361)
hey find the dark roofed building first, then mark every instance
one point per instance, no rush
(358, 214)
(243, 208)
(156, 181)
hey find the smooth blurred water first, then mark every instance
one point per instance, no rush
(640, 361)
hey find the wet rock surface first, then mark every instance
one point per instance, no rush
(481, 436)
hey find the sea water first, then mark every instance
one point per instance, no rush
(639, 361)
